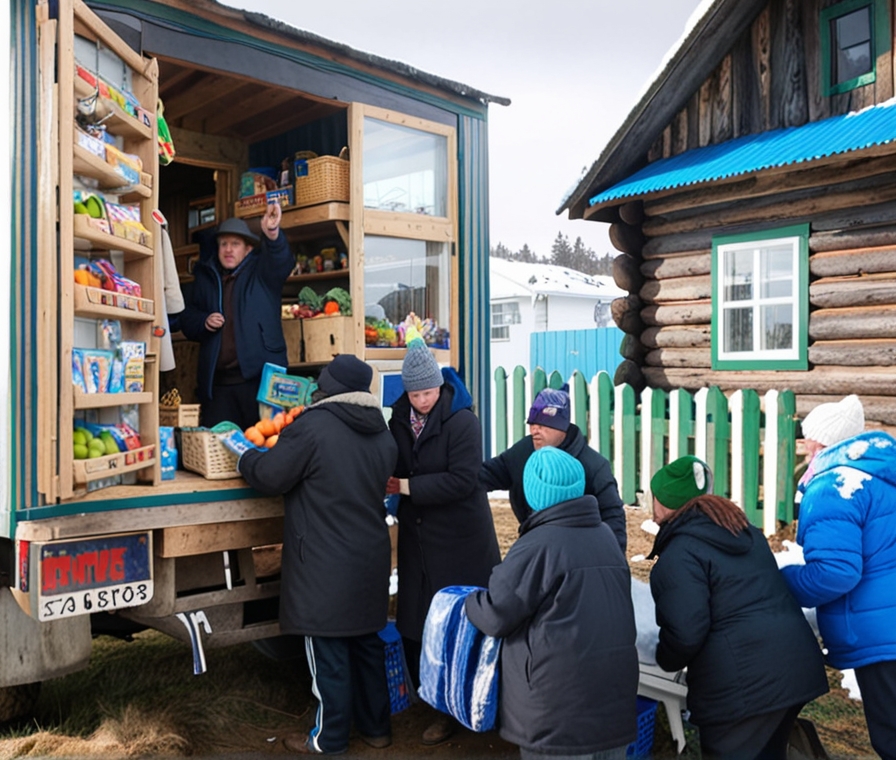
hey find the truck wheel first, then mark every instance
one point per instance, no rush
(18, 702)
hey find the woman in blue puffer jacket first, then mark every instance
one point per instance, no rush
(847, 528)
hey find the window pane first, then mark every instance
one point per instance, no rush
(405, 169)
(738, 330)
(738, 276)
(777, 327)
(851, 45)
(776, 272)
(408, 276)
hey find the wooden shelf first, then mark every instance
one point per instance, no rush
(96, 303)
(325, 212)
(97, 239)
(85, 470)
(335, 274)
(115, 118)
(103, 400)
(89, 165)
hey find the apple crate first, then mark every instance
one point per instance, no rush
(185, 415)
(86, 470)
(324, 337)
(292, 334)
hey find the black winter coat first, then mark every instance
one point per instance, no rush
(256, 303)
(446, 536)
(331, 464)
(505, 473)
(561, 600)
(725, 613)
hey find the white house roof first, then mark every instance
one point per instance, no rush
(513, 279)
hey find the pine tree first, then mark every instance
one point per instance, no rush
(561, 252)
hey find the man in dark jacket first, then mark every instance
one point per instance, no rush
(549, 425)
(234, 313)
(332, 464)
(561, 600)
(725, 613)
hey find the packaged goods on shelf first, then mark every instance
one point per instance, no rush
(257, 182)
(133, 357)
(91, 144)
(285, 196)
(126, 223)
(127, 165)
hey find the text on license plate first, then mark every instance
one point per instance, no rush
(93, 575)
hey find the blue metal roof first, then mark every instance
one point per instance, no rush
(871, 126)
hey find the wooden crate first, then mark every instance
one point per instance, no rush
(292, 334)
(324, 337)
(185, 415)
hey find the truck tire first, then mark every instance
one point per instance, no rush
(18, 702)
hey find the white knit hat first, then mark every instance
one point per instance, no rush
(834, 422)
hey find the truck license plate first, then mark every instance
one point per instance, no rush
(94, 575)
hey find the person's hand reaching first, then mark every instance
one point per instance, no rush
(270, 222)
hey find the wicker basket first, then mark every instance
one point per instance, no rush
(325, 181)
(202, 452)
(185, 415)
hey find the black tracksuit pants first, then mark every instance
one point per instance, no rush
(877, 682)
(349, 681)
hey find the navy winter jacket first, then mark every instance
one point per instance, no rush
(257, 294)
(562, 602)
(847, 529)
(505, 473)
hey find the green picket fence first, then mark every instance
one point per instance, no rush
(748, 442)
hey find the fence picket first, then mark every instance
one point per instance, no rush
(681, 413)
(626, 451)
(500, 404)
(520, 403)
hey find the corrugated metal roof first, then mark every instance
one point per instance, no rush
(869, 127)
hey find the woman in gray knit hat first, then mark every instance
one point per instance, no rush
(446, 536)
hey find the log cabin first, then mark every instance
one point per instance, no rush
(750, 194)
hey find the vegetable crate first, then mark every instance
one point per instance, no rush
(321, 180)
(642, 747)
(324, 337)
(185, 415)
(202, 452)
(292, 334)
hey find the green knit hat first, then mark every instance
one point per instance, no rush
(680, 481)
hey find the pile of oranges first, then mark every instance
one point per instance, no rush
(266, 432)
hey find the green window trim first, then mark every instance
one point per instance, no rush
(801, 296)
(880, 42)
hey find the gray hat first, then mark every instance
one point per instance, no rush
(420, 370)
(237, 227)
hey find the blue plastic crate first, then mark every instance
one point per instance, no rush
(396, 670)
(642, 746)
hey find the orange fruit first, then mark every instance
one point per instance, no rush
(271, 441)
(266, 428)
(254, 435)
(280, 421)
(295, 412)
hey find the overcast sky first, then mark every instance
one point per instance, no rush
(573, 69)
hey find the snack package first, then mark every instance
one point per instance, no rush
(78, 370)
(96, 368)
(168, 451)
(133, 357)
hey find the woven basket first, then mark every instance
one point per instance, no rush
(202, 452)
(326, 180)
(185, 415)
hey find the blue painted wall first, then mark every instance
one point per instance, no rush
(587, 351)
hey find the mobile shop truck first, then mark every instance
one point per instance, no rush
(93, 538)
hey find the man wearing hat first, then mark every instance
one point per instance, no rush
(847, 529)
(561, 600)
(331, 465)
(234, 312)
(726, 615)
(446, 534)
(549, 425)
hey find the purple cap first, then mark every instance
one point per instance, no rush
(550, 409)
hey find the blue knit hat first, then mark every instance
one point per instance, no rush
(552, 476)
(550, 409)
(419, 370)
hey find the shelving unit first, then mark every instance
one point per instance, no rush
(136, 259)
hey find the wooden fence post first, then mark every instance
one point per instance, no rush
(718, 441)
(681, 414)
(625, 461)
(653, 434)
(601, 416)
(501, 415)
(745, 425)
(578, 397)
(520, 404)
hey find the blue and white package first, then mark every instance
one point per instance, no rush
(459, 671)
(168, 448)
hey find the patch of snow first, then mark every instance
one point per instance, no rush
(649, 526)
(793, 555)
(849, 480)
(851, 685)
(638, 558)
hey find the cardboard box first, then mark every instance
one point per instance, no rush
(285, 196)
(292, 333)
(324, 337)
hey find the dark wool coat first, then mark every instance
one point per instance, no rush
(256, 303)
(505, 473)
(725, 613)
(561, 600)
(446, 536)
(331, 464)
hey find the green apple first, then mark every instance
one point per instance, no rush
(109, 443)
(88, 436)
(94, 453)
(81, 451)
(96, 445)
(78, 437)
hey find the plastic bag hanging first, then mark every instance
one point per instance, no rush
(166, 145)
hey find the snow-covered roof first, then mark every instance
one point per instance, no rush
(514, 279)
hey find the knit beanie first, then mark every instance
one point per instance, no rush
(345, 374)
(552, 476)
(550, 409)
(419, 370)
(834, 422)
(680, 481)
